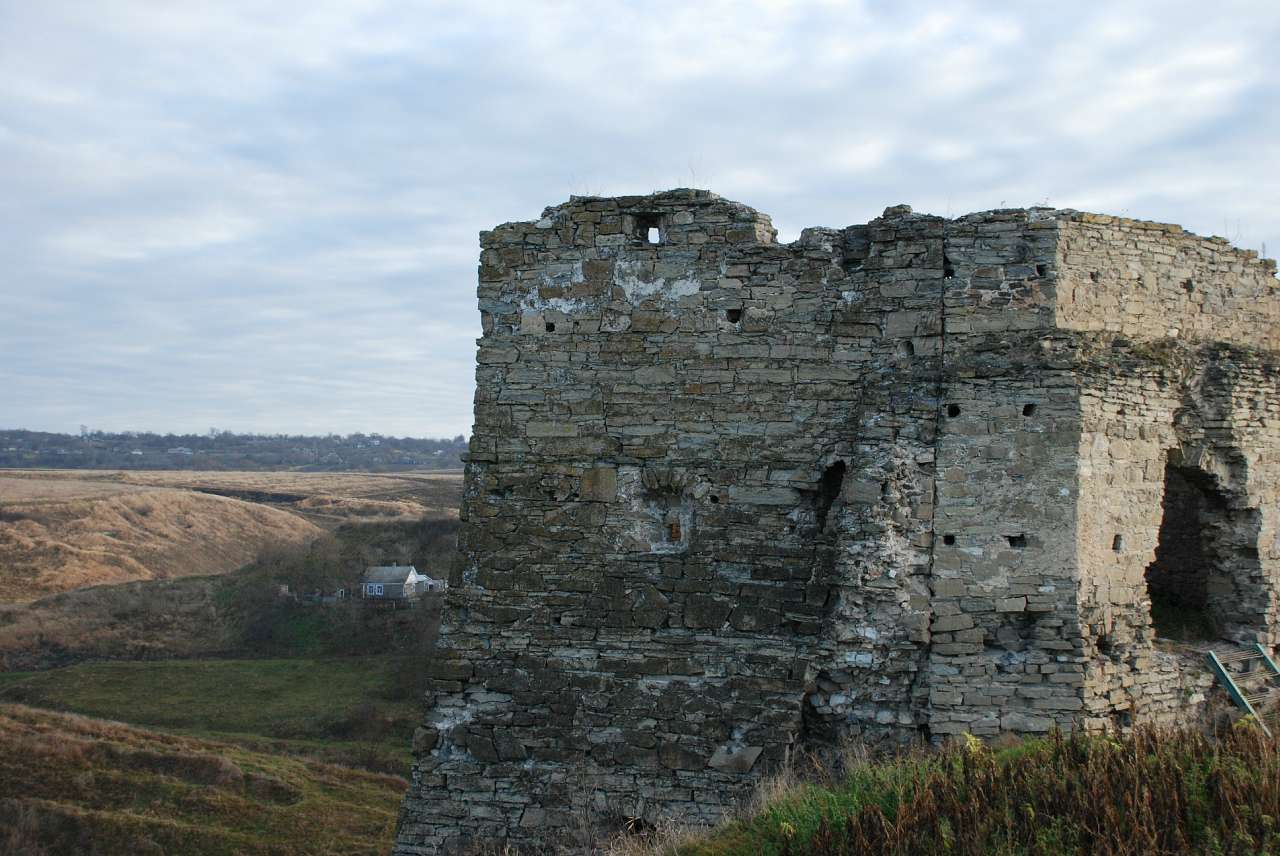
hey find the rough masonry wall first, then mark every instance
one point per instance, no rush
(1215, 420)
(1149, 281)
(1159, 389)
(697, 513)
(728, 498)
(1005, 654)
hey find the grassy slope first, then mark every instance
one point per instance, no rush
(235, 614)
(69, 784)
(56, 544)
(1152, 792)
(348, 694)
(337, 708)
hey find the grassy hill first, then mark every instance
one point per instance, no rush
(71, 784)
(58, 535)
(237, 614)
(64, 530)
(351, 710)
(259, 723)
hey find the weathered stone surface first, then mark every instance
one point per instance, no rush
(728, 498)
(735, 760)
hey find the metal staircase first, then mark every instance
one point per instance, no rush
(1250, 677)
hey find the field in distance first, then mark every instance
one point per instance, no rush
(327, 499)
(62, 530)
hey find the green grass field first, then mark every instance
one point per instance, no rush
(346, 710)
(71, 784)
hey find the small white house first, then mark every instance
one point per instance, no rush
(397, 582)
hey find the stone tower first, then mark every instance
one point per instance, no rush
(727, 497)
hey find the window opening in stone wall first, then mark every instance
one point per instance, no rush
(1042, 271)
(1117, 544)
(1178, 579)
(649, 228)
(948, 269)
(1189, 285)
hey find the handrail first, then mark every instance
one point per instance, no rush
(1224, 677)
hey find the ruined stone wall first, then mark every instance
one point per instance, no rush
(1005, 651)
(1155, 281)
(1169, 400)
(1213, 418)
(728, 498)
(696, 512)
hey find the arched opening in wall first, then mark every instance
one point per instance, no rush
(1205, 583)
(1177, 581)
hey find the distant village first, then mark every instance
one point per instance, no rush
(224, 450)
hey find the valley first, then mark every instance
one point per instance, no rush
(173, 601)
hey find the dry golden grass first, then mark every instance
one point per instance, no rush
(327, 498)
(71, 784)
(65, 529)
(147, 620)
(16, 489)
(59, 535)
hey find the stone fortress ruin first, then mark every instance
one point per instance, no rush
(729, 498)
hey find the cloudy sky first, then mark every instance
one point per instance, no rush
(263, 216)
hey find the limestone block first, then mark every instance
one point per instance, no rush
(739, 760)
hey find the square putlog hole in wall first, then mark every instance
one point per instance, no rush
(733, 316)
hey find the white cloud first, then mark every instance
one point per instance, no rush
(134, 237)
(265, 214)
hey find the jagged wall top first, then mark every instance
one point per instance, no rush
(1140, 279)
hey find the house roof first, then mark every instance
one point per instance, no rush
(388, 573)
